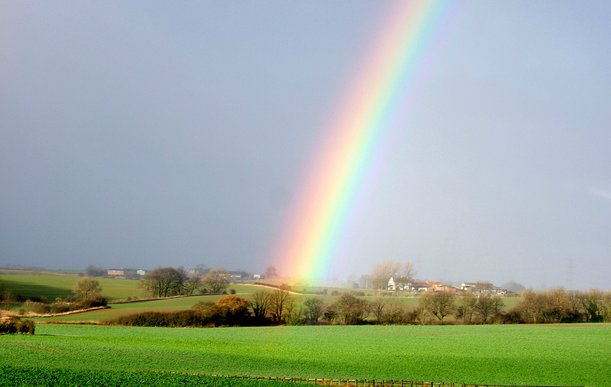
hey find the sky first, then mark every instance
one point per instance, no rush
(155, 133)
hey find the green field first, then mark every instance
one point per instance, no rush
(54, 285)
(39, 376)
(118, 310)
(493, 354)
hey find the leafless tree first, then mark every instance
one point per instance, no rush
(278, 301)
(377, 307)
(260, 303)
(192, 283)
(487, 307)
(216, 281)
(350, 309)
(314, 309)
(409, 271)
(164, 282)
(271, 272)
(382, 272)
(85, 288)
(466, 309)
(439, 304)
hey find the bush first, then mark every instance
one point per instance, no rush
(26, 327)
(8, 327)
(36, 307)
(14, 325)
(185, 318)
(93, 302)
(60, 307)
(230, 310)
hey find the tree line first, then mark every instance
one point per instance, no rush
(170, 281)
(280, 307)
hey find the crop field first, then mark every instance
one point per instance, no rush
(40, 376)
(494, 354)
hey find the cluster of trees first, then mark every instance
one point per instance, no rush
(14, 325)
(280, 307)
(170, 281)
(469, 308)
(559, 305)
(275, 307)
(549, 306)
(267, 308)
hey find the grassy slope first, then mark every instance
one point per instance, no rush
(117, 310)
(499, 354)
(52, 285)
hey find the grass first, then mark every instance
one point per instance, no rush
(497, 354)
(52, 285)
(118, 310)
(33, 376)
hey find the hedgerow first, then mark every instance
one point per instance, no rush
(14, 325)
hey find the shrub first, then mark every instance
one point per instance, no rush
(14, 325)
(8, 327)
(26, 327)
(36, 307)
(59, 307)
(93, 301)
(185, 318)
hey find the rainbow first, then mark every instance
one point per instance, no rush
(336, 176)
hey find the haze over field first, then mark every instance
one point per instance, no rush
(140, 134)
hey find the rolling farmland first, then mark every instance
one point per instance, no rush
(53, 285)
(496, 354)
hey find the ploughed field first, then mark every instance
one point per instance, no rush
(578, 354)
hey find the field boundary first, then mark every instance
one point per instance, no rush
(43, 315)
(348, 382)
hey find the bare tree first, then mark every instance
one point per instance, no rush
(439, 304)
(216, 281)
(314, 309)
(271, 272)
(466, 309)
(595, 305)
(164, 282)
(487, 307)
(350, 309)
(192, 283)
(409, 271)
(86, 288)
(278, 301)
(292, 312)
(483, 287)
(259, 304)
(377, 307)
(382, 272)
